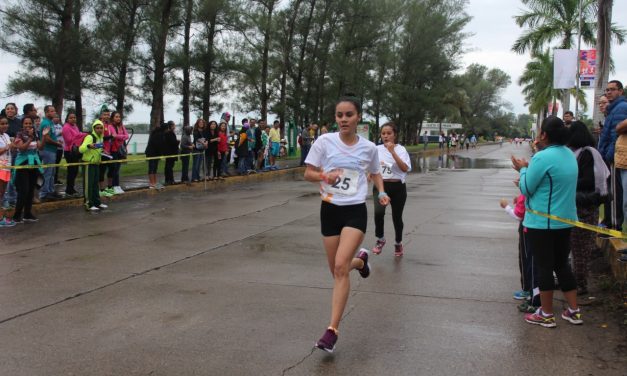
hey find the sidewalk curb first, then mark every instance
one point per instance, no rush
(46, 207)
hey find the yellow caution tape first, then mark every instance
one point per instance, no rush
(22, 167)
(585, 226)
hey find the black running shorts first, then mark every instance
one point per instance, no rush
(334, 218)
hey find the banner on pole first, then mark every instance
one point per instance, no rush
(587, 68)
(564, 69)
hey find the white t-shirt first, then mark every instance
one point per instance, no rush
(329, 153)
(389, 167)
(5, 158)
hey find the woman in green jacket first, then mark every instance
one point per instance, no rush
(91, 149)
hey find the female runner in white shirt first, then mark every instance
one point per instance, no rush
(340, 162)
(395, 164)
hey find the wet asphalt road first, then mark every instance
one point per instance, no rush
(235, 282)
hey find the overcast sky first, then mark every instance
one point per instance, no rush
(492, 26)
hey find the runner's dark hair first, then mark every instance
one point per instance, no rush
(352, 99)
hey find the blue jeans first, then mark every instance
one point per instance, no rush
(241, 165)
(10, 196)
(196, 165)
(224, 164)
(48, 157)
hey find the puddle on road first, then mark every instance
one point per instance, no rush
(453, 162)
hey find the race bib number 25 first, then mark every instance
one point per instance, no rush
(345, 184)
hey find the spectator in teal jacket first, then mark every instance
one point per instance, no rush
(549, 181)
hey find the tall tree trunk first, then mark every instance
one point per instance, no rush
(298, 82)
(187, 61)
(566, 100)
(604, 24)
(61, 67)
(287, 46)
(76, 72)
(264, 60)
(208, 68)
(129, 42)
(156, 111)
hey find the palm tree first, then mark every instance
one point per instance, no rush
(549, 20)
(537, 82)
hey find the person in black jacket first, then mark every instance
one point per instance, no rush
(155, 148)
(588, 199)
(171, 147)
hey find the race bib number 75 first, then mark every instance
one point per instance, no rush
(386, 170)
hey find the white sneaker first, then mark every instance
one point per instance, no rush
(102, 206)
(118, 190)
(94, 208)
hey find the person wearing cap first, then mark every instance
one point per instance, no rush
(91, 149)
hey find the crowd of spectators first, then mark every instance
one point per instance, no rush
(34, 141)
(567, 179)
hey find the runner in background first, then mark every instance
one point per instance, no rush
(395, 164)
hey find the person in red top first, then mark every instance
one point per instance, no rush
(223, 150)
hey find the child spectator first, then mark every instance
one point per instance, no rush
(525, 259)
(187, 147)
(28, 146)
(212, 154)
(223, 151)
(91, 149)
(171, 145)
(200, 144)
(5, 160)
(58, 132)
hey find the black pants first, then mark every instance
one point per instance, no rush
(550, 254)
(72, 171)
(397, 192)
(169, 170)
(212, 163)
(184, 167)
(25, 180)
(91, 175)
(615, 200)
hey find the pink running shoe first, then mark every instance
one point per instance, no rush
(398, 250)
(378, 248)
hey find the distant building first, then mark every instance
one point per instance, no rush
(434, 128)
